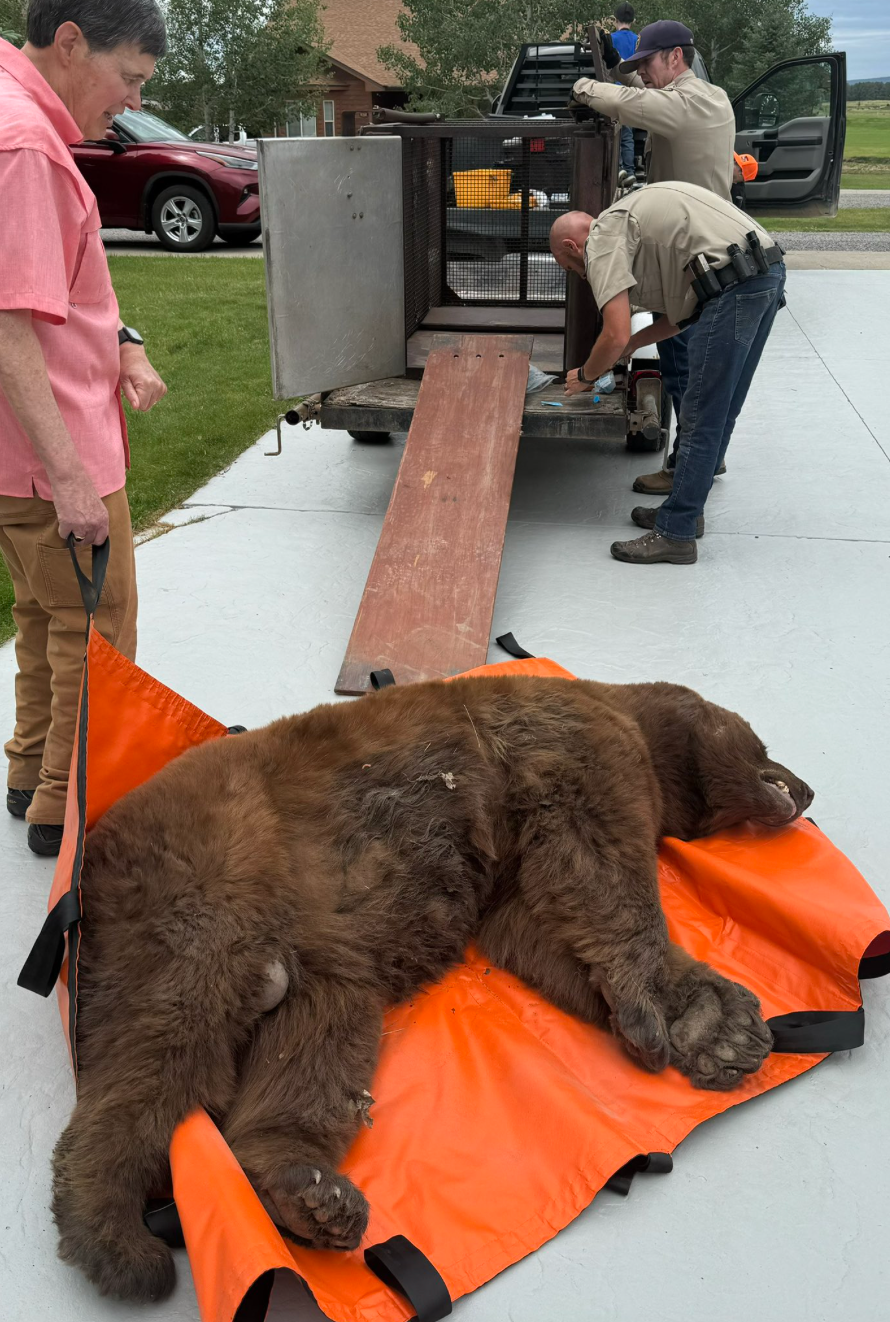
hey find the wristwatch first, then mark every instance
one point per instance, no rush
(582, 378)
(126, 335)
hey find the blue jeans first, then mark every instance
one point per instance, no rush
(724, 350)
(673, 359)
(626, 155)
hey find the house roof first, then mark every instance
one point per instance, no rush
(355, 29)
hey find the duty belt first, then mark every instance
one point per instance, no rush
(710, 282)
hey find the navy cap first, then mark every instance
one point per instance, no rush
(663, 35)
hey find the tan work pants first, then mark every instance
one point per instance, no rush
(49, 645)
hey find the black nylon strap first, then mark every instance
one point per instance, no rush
(382, 679)
(401, 1266)
(817, 1031)
(509, 644)
(655, 1163)
(41, 969)
(91, 591)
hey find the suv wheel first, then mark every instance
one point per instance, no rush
(183, 219)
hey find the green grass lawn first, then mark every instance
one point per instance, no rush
(872, 179)
(868, 131)
(867, 221)
(205, 328)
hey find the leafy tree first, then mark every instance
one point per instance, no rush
(12, 21)
(870, 90)
(467, 47)
(239, 62)
(739, 39)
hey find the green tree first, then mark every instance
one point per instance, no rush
(467, 47)
(12, 21)
(739, 39)
(239, 62)
(869, 91)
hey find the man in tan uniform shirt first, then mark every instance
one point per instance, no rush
(691, 123)
(691, 127)
(636, 252)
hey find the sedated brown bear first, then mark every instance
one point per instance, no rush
(252, 910)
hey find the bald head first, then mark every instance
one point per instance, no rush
(568, 236)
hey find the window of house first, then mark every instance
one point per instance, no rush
(300, 126)
(328, 118)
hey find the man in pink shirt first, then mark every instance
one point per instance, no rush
(65, 358)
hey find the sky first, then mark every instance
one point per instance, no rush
(862, 29)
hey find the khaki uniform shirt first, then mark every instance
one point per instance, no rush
(691, 126)
(643, 242)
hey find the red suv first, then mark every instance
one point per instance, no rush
(148, 176)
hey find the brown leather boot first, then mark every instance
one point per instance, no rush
(645, 518)
(653, 549)
(660, 483)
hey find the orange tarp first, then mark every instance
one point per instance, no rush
(497, 1117)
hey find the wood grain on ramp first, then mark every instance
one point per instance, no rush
(427, 606)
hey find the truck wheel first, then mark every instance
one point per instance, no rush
(370, 437)
(182, 218)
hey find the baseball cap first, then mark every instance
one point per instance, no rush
(663, 35)
(624, 13)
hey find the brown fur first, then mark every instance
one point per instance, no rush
(350, 855)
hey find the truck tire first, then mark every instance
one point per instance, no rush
(183, 218)
(370, 437)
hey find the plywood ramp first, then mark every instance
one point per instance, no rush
(427, 606)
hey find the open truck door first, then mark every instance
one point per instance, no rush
(793, 121)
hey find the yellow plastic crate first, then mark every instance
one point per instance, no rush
(481, 188)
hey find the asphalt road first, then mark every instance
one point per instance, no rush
(130, 242)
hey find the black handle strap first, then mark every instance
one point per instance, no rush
(382, 679)
(509, 644)
(41, 968)
(401, 1266)
(91, 590)
(817, 1031)
(654, 1163)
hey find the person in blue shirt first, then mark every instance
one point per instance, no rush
(625, 42)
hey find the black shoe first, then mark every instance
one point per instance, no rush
(45, 840)
(18, 801)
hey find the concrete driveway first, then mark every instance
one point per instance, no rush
(777, 1211)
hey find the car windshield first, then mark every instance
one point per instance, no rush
(145, 127)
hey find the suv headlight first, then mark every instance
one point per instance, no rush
(231, 162)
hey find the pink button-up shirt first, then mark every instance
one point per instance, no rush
(52, 263)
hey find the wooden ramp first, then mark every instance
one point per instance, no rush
(427, 606)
